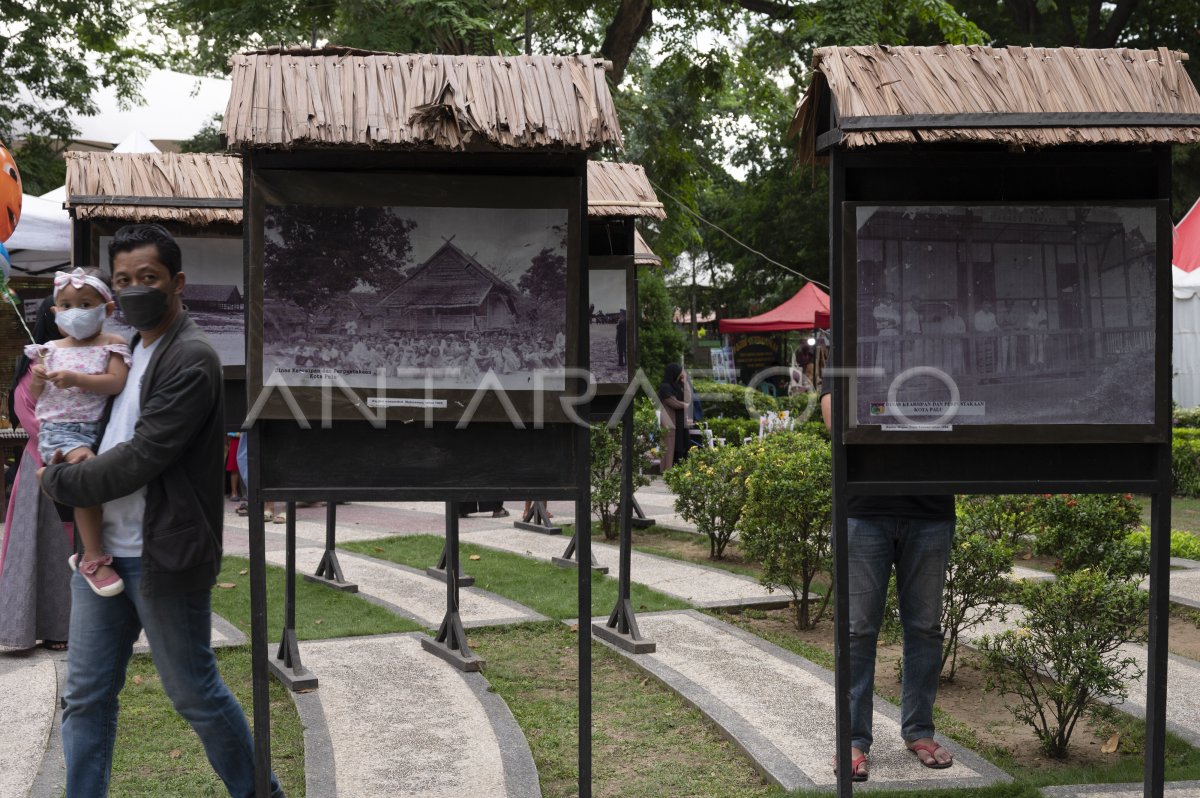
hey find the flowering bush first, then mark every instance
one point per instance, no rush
(1091, 531)
(1067, 652)
(785, 524)
(710, 491)
(1008, 518)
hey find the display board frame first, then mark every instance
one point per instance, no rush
(881, 368)
(416, 188)
(616, 264)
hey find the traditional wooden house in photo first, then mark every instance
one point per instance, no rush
(201, 297)
(451, 291)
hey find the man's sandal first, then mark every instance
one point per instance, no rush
(859, 767)
(932, 750)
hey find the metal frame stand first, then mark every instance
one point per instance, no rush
(538, 521)
(451, 641)
(567, 560)
(329, 570)
(639, 515)
(621, 629)
(438, 571)
(286, 665)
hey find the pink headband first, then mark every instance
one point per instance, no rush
(78, 279)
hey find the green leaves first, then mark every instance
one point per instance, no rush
(60, 52)
(1067, 652)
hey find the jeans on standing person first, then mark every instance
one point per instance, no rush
(919, 548)
(179, 628)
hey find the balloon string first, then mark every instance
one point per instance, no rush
(12, 301)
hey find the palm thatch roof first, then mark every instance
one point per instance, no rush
(186, 188)
(1024, 96)
(621, 189)
(642, 254)
(335, 96)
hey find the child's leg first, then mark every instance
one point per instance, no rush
(95, 566)
(88, 523)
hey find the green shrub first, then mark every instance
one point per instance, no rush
(1185, 462)
(1008, 518)
(1072, 633)
(732, 401)
(1183, 544)
(1091, 530)
(785, 524)
(710, 492)
(733, 430)
(977, 585)
(1185, 417)
(606, 477)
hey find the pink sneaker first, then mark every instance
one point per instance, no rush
(107, 586)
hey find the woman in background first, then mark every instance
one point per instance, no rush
(35, 589)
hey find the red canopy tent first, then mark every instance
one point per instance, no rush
(798, 313)
(1186, 255)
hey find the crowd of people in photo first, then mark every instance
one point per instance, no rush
(459, 356)
(1008, 339)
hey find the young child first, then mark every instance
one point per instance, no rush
(72, 382)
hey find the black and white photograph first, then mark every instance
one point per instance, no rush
(214, 295)
(1032, 314)
(415, 293)
(608, 344)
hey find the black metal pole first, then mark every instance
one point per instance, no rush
(289, 591)
(452, 559)
(583, 537)
(258, 624)
(625, 621)
(841, 563)
(1156, 669)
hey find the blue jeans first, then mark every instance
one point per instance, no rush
(179, 628)
(919, 549)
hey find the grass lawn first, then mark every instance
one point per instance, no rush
(1185, 513)
(540, 586)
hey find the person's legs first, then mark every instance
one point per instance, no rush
(101, 638)
(920, 581)
(870, 551)
(179, 629)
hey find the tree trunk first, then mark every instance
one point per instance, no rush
(621, 38)
(1116, 24)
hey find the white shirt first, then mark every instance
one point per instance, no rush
(123, 517)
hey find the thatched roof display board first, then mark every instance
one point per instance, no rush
(289, 98)
(621, 189)
(190, 188)
(1025, 96)
(642, 254)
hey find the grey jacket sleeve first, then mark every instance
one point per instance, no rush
(169, 421)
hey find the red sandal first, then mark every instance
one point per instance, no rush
(857, 765)
(932, 750)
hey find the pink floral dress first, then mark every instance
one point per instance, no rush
(70, 417)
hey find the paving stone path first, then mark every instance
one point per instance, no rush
(411, 593)
(389, 719)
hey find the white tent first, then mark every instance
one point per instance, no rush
(1185, 280)
(42, 239)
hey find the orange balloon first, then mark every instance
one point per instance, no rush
(10, 194)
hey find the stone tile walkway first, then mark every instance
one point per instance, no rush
(390, 719)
